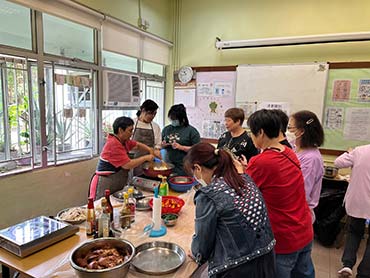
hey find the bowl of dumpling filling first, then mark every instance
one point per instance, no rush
(103, 258)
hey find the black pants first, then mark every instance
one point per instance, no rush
(356, 228)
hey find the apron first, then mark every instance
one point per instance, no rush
(144, 136)
(114, 182)
(108, 177)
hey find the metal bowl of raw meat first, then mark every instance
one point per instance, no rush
(102, 258)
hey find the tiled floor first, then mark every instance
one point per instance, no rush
(327, 261)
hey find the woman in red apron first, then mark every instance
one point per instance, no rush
(114, 162)
(146, 131)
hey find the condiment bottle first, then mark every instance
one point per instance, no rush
(90, 219)
(109, 204)
(132, 203)
(163, 187)
(104, 219)
(125, 218)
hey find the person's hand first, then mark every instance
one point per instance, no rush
(149, 157)
(243, 160)
(176, 145)
(165, 144)
(190, 255)
(157, 153)
(239, 166)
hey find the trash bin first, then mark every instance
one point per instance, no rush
(330, 211)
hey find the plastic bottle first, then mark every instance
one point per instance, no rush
(163, 187)
(132, 203)
(125, 220)
(104, 219)
(109, 204)
(90, 219)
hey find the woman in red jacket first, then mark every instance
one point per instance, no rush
(276, 172)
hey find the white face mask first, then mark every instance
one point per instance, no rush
(201, 181)
(291, 137)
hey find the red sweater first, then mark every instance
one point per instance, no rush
(280, 180)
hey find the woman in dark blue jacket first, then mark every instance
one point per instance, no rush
(232, 229)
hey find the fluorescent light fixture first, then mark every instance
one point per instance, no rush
(282, 41)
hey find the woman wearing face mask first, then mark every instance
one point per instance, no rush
(178, 137)
(146, 131)
(276, 171)
(306, 135)
(232, 229)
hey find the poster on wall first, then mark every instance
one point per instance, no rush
(215, 93)
(184, 96)
(334, 117)
(357, 124)
(249, 107)
(341, 90)
(364, 90)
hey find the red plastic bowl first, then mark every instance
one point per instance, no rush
(170, 204)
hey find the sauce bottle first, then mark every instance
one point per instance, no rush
(90, 219)
(104, 220)
(109, 204)
(132, 203)
(125, 218)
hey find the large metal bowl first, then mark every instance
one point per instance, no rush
(149, 169)
(117, 271)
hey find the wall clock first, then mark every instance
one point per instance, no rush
(185, 74)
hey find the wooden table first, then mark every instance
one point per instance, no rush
(53, 261)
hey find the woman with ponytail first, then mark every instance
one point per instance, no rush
(232, 229)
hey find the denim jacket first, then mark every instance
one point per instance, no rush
(230, 229)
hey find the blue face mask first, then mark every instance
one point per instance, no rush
(175, 122)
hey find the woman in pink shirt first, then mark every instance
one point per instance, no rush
(357, 202)
(306, 135)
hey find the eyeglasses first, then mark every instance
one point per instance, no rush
(289, 127)
(151, 112)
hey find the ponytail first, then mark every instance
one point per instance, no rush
(208, 156)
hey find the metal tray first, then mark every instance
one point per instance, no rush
(158, 257)
(118, 196)
(143, 203)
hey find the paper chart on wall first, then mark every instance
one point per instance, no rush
(185, 96)
(334, 117)
(214, 95)
(357, 124)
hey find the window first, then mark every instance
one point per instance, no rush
(152, 68)
(15, 25)
(15, 107)
(118, 61)
(154, 90)
(68, 39)
(70, 114)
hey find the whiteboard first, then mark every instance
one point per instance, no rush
(303, 86)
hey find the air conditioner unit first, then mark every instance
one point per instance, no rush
(120, 89)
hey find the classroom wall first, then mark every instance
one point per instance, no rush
(202, 21)
(44, 192)
(158, 13)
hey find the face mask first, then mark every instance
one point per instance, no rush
(175, 122)
(290, 136)
(201, 180)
